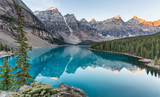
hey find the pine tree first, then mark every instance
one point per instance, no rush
(144, 46)
(157, 49)
(156, 61)
(22, 77)
(6, 82)
(152, 52)
(6, 48)
(1, 47)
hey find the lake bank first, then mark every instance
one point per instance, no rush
(5, 54)
(44, 90)
(151, 64)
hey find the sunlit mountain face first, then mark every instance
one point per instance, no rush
(91, 71)
(71, 30)
(150, 23)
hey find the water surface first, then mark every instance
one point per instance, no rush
(99, 74)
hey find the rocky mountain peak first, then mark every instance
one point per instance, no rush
(117, 17)
(83, 20)
(135, 17)
(93, 23)
(51, 14)
(52, 9)
(70, 18)
(93, 20)
(150, 23)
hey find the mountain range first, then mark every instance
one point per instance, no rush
(48, 27)
(71, 30)
(116, 28)
(67, 28)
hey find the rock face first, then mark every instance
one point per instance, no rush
(113, 27)
(5, 94)
(150, 23)
(33, 26)
(67, 28)
(50, 26)
(116, 28)
(68, 91)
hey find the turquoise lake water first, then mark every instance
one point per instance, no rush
(99, 74)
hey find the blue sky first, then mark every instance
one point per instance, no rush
(101, 9)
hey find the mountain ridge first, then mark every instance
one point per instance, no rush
(36, 32)
(67, 27)
(112, 28)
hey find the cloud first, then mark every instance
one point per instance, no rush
(41, 4)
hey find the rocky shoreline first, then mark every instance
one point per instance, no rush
(44, 90)
(151, 64)
(6, 54)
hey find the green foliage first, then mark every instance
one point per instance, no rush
(6, 83)
(86, 42)
(5, 48)
(37, 90)
(6, 18)
(145, 46)
(156, 61)
(22, 77)
(1, 47)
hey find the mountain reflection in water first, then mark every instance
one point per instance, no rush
(97, 73)
(68, 59)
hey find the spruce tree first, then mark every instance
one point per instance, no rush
(22, 76)
(157, 49)
(6, 82)
(156, 61)
(1, 46)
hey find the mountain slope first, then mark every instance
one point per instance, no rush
(33, 26)
(69, 29)
(147, 46)
(66, 28)
(150, 23)
(116, 28)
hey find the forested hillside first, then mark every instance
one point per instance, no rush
(145, 46)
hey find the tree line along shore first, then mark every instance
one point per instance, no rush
(147, 46)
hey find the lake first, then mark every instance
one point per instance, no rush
(99, 74)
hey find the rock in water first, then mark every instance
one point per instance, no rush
(44, 90)
(68, 91)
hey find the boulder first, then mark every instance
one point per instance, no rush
(69, 91)
(5, 94)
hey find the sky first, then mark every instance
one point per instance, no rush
(101, 9)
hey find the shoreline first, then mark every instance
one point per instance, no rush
(151, 64)
(4, 54)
